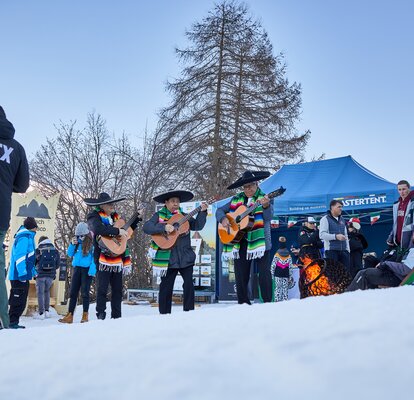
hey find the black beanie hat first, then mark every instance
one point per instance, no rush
(30, 223)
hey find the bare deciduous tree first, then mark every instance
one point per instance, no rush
(233, 107)
(81, 163)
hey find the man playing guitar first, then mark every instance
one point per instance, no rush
(255, 245)
(167, 262)
(110, 267)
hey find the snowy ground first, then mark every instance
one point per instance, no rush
(353, 346)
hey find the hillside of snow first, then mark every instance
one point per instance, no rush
(353, 346)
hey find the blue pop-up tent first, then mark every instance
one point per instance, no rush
(309, 189)
(312, 185)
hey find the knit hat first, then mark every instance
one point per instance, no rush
(355, 222)
(81, 229)
(282, 242)
(30, 223)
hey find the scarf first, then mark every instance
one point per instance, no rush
(256, 244)
(281, 259)
(160, 258)
(110, 263)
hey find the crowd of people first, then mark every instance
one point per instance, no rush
(336, 239)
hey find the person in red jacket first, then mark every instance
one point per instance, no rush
(403, 210)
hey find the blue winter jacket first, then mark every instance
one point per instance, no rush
(80, 260)
(22, 257)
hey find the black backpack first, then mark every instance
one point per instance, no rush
(47, 259)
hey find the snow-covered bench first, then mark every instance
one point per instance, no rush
(153, 294)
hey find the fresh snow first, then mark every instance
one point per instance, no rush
(353, 346)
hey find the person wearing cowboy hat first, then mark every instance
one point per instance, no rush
(181, 257)
(309, 241)
(257, 243)
(109, 268)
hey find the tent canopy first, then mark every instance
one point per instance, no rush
(311, 186)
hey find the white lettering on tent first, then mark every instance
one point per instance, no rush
(364, 201)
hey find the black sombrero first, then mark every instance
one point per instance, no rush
(103, 198)
(249, 176)
(183, 195)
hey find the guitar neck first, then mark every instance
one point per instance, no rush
(191, 214)
(130, 221)
(257, 204)
(250, 209)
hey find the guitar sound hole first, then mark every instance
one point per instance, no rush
(176, 226)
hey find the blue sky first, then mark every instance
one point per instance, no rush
(355, 60)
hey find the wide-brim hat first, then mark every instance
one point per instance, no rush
(103, 198)
(183, 195)
(249, 176)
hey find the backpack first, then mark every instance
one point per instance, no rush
(47, 259)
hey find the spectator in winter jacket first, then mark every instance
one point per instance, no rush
(181, 257)
(403, 217)
(84, 269)
(14, 177)
(357, 245)
(309, 241)
(386, 273)
(281, 265)
(294, 253)
(21, 269)
(47, 261)
(333, 232)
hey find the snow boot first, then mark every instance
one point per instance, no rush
(67, 319)
(84, 317)
(101, 315)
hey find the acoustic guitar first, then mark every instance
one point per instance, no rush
(115, 246)
(241, 221)
(181, 227)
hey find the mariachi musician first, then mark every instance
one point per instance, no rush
(256, 244)
(167, 263)
(110, 268)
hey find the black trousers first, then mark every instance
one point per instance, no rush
(242, 273)
(167, 285)
(17, 300)
(371, 278)
(80, 281)
(341, 256)
(106, 278)
(355, 262)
